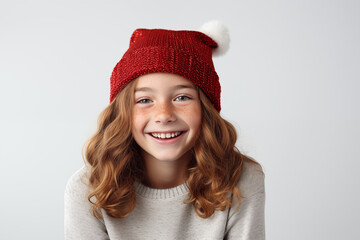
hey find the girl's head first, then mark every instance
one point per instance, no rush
(168, 69)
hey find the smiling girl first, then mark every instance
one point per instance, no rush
(163, 163)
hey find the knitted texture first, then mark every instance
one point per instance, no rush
(185, 53)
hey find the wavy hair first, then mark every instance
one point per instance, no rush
(116, 163)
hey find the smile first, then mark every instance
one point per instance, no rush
(166, 135)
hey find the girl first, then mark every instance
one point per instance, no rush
(163, 162)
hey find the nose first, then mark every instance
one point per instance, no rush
(164, 113)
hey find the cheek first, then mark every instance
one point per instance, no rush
(194, 116)
(137, 121)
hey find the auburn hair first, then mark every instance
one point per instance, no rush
(116, 164)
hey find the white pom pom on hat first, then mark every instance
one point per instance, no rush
(219, 33)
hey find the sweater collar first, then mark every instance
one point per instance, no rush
(155, 193)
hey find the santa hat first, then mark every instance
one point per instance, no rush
(183, 52)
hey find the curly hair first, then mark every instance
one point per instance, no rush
(116, 163)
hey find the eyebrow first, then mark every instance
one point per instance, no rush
(177, 87)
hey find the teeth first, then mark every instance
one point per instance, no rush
(165, 135)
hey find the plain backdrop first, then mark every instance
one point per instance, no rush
(290, 85)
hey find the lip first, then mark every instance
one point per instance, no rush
(166, 141)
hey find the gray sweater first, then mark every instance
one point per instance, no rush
(161, 213)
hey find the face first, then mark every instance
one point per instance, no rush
(166, 116)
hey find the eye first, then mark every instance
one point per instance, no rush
(144, 100)
(182, 98)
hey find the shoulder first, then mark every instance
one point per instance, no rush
(248, 221)
(251, 179)
(77, 185)
(79, 221)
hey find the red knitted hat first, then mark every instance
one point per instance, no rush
(186, 53)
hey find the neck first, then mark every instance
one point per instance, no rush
(166, 174)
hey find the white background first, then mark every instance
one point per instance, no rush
(290, 85)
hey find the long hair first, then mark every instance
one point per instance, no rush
(113, 156)
(116, 163)
(218, 163)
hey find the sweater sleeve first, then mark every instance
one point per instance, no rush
(79, 223)
(248, 223)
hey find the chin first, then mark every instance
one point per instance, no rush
(166, 158)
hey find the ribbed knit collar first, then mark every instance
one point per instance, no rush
(155, 193)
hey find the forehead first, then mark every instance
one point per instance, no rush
(154, 80)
